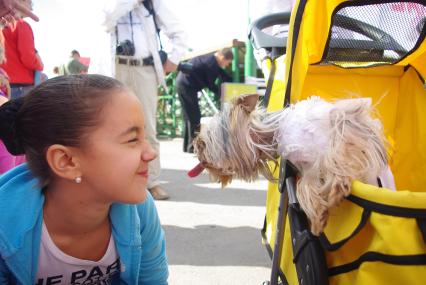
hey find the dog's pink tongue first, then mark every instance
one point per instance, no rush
(196, 170)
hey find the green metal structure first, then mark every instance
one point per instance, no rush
(169, 112)
(249, 61)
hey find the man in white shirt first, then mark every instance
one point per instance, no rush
(133, 26)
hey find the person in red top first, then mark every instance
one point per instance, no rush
(22, 59)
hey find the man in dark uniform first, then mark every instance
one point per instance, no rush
(206, 69)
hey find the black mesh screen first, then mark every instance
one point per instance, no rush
(375, 34)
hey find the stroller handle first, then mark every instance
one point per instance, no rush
(260, 39)
(380, 39)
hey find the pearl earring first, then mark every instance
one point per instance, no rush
(77, 180)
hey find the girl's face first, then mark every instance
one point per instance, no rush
(114, 162)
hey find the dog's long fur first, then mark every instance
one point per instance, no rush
(330, 144)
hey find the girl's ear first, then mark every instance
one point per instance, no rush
(248, 101)
(63, 162)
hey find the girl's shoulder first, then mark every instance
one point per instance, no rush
(18, 186)
(21, 201)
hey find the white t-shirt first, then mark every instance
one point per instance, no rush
(56, 267)
(124, 31)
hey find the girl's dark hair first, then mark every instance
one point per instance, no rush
(61, 110)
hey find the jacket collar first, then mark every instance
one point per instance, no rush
(124, 217)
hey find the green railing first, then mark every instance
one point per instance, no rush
(169, 112)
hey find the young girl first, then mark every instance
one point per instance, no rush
(79, 211)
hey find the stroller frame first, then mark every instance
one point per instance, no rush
(310, 254)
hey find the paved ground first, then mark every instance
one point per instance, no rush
(213, 235)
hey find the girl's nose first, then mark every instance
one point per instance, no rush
(148, 153)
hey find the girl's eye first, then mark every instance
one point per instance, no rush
(133, 140)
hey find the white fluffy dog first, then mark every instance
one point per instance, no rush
(331, 144)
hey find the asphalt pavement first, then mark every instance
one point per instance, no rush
(213, 235)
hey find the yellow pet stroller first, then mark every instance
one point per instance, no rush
(340, 49)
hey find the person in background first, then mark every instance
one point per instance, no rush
(7, 160)
(4, 78)
(56, 70)
(206, 69)
(22, 59)
(79, 211)
(4, 84)
(73, 66)
(11, 10)
(133, 26)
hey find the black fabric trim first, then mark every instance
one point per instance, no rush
(388, 210)
(267, 97)
(419, 214)
(407, 67)
(303, 239)
(421, 223)
(296, 30)
(418, 73)
(421, 38)
(335, 246)
(370, 256)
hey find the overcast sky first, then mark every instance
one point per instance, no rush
(76, 24)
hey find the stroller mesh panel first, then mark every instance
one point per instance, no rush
(387, 33)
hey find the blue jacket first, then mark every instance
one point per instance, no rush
(137, 232)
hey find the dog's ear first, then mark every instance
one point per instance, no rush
(248, 101)
(199, 147)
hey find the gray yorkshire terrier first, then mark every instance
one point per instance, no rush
(331, 144)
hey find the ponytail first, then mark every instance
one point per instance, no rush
(9, 131)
